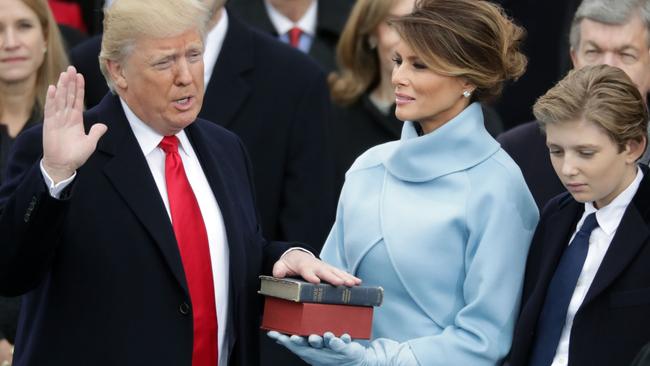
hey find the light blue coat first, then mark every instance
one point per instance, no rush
(443, 222)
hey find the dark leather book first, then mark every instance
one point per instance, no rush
(301, 291)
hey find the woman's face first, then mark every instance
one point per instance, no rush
(387, 38)
(22, 42)
(589, 163)
(423, 95)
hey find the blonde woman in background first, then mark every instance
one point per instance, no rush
(364, 98)
(31, 57)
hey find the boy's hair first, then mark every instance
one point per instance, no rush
(600, 94)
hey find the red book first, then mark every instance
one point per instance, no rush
(304, 318)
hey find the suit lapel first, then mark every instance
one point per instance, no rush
(558, 231)
(215, 171)
(631, 235)
(129, 173)
(227, 89)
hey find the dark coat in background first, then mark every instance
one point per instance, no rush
(358, 127)
(331, 17)
(526, 144)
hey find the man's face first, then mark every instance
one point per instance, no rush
(162, 80)
(624, 46)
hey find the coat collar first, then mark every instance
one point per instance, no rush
(459, 144)
(128, 171)
(631, 235)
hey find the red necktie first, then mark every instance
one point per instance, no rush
(192, 241)
(294, 36)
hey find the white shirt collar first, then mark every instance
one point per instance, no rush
(283, 24)
(213, 43)
(147, 137)
(610, 216)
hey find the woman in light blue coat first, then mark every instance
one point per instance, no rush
(441, 219)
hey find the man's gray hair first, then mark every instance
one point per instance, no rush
(611, 12)
(127, 20)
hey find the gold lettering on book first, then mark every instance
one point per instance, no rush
(318, 294)
(347, 294)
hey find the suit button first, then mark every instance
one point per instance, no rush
(184, 308)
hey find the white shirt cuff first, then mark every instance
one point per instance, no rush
(56, 189)
(297, 248)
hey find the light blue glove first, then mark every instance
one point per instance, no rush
(330, 350)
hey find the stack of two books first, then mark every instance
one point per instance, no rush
(294, 306)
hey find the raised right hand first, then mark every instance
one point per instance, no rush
(66, 146)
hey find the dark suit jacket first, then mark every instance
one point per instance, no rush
(100, 268)
(276, 100)
(331, 17)
(547, 48)
(643, 357)
(358, 127)
(526, 144)
(613, 323)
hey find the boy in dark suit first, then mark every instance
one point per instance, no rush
(586, 298)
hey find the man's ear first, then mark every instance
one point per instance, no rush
(116, 71)
(634, 149)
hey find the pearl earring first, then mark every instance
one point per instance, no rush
(372, 42)
(467, 93)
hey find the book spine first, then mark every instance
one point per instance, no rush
(328, 294)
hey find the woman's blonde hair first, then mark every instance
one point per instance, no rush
(471, 39)
(358, 62)
(127, 20)
(55, 60)
(600, 94)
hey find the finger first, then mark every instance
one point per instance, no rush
(79, 98)
(347, 278)
(315, 341)
(346, 338)
(61, 92)
(48, 108)
(310, 276)
(327, 337)
(273, 335)
(280, 269)
(336, 277)
(298, 340)
(72, 88)
(96, 132)
(337, 345)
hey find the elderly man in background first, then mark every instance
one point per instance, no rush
(138, 242)
(612, 32)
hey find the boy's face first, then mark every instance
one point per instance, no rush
(589, 163)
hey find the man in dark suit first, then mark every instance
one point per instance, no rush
(614, 33)
(276, 100)
(319, 23)
(585, 298)
(138, 243)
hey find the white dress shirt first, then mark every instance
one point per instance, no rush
(307, 24)
(608, 217)
(148, 139)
